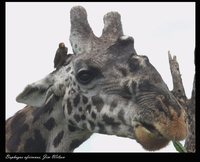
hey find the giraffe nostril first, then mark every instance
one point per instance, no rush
(161, 104)
(160, 97)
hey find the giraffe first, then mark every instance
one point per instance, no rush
(104, 87)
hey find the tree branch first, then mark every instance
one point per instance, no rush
(178, 88)
(179, 93)
(191, 105)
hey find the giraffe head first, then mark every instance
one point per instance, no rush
(106, 87)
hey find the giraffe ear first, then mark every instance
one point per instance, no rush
(36, 94)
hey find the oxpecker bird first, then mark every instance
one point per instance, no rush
(61, 55)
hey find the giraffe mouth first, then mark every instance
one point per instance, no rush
(152, 129)
(149, 137)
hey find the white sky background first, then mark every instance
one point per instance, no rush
(34, 30)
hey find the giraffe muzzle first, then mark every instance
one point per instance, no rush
(174, 124)
(170, 123)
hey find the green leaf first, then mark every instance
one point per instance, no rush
(179, 147)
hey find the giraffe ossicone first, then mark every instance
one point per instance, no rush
(104, 87)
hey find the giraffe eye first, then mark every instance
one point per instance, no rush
(85, 76)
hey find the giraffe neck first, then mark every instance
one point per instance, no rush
(43, 129)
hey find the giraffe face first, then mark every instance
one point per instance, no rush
(107, 88)
(113, 91)
(121, 93)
